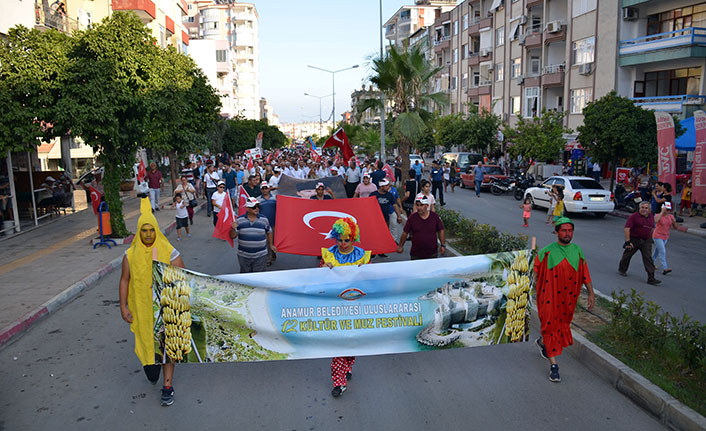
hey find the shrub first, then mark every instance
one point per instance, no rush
(479, 238)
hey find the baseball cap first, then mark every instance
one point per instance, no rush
(422, 199)
(320, 184)
(383, 182)
(49, 178)
(264, 184)
(277, 169)
(251, 203)
(221, 183)
(366, 175)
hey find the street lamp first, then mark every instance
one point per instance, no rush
(333, 85)
(319, 97)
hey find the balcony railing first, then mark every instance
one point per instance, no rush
(48, 17)
(554, 68)
(669, 103)
(672, 39)
(441, 39)
(485, 83)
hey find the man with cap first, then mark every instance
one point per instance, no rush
(345, 231)
(638, 236)
(268, 208)
(365, 188)
(559, 271)
(321, 194)
(425, 226)
(254, 235)
(135, 294)
(217, 199)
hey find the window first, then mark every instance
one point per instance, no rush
(465, 22)
(464, 51)
(516, 67)
(581, 7)
(677, 19)
(455, 55)
(221, 55)
(214, 25)
(455, 27)
(515, 105)
(535, 66)
(499, 72)
(531, 101)
(476, 78)
(579, 99)
(672, 82)
(189, 19)
(453, 82)
(500, 36)
(162, 36)
(190, 6)
(184, 48)
(464, 81)
(582, 50)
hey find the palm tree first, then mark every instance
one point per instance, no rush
(405, 78)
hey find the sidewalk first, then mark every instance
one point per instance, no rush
(48, 266)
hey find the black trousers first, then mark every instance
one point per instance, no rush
(644, 246)
(350, 188)
(438, 185)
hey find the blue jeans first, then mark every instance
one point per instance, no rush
(660, 252)
(478, 183)
(209, 205)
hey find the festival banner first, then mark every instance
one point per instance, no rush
(395, 307)
(290, 186)
(665, 149)
(304, 224)
(698, 180)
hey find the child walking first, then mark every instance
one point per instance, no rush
(558, 211)
(182, 215)
(526, 211)
(552, 203)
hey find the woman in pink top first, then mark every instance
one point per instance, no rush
(663, 221)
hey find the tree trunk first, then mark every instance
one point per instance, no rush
(403, 144)
(111, 187)
(172, 168)
(615, 172)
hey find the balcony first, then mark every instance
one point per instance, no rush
(184, 37)
(674, 104)
(532, 3)
(169, 25)
(145, 9)
(473, 59)
(674, 45)
(484, 87)
(555, 36)
(442, 43)
(533, 39)
(478, 23)
(553, 76)
(46, 18)
(183, 6)
(531, 81)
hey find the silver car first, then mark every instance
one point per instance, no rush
(581, 194)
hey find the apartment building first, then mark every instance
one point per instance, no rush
(267, 112)
(369, 116)
(247, 59)
(515, 57)
(408, 19)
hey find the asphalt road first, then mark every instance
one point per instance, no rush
(681, 292)
(76, 369)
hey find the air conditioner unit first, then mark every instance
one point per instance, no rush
(523, 20)
(630, 14)
(586, 68)
(520, 80)
(522, 39)
(553, 27)
(484, 52)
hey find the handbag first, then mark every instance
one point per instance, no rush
(193, 203)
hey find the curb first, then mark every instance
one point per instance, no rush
(689, 230)
(671, 412)
(18, 327)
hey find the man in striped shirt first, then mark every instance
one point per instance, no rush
(254, 234)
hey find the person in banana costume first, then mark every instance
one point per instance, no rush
(560, 270)
(136, 294)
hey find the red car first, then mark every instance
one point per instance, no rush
(490, 171)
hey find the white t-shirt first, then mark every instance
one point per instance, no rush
(181, 211)
(211, 179)
(218, 198)
(274, 182)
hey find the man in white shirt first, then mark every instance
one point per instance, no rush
(274, 180)
(352, 177)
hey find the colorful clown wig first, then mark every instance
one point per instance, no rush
(345, 228)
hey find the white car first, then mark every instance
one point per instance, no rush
(415, 157)
(581, 194)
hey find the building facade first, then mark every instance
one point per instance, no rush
(408, 19)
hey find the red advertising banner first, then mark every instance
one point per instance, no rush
(698, 178)
(302, 224)
(623, 175)
(665, 149)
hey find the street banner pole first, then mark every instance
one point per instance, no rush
(698, 181)
(665, 149)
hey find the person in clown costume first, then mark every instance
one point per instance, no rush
(136, 294)
(343, 253)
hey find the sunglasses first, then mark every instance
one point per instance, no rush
(221, 187)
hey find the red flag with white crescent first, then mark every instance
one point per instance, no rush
(303, 224)
(225, 221)
(315, 156)
(340, 140)
(141, 171)
(250, 164)
(389, 173)
(242, 197)
(95, 199)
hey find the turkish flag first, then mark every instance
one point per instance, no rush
(95, 199)
(302, 224)
(389, 173)
(225, 221)
(315, 156)
(242, 197)
(269, 155)
(141, 171)
(250, 165)
(340, 140)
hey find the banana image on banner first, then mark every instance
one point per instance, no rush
(375, 309)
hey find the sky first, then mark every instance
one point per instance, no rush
(331, 34)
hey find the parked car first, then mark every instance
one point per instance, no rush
(463, 160)
(490, 172)
(415, 157)
(581, 194)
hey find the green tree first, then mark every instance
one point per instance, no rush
(481, 130)
(32, 66)
(450, 130)
(405, 76)
(540, 138)
(240, 134)
(105, 97)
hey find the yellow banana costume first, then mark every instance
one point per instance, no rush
(139, 300)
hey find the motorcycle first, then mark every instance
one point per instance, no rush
(522, 183)
(626, 201)
(498, 186)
